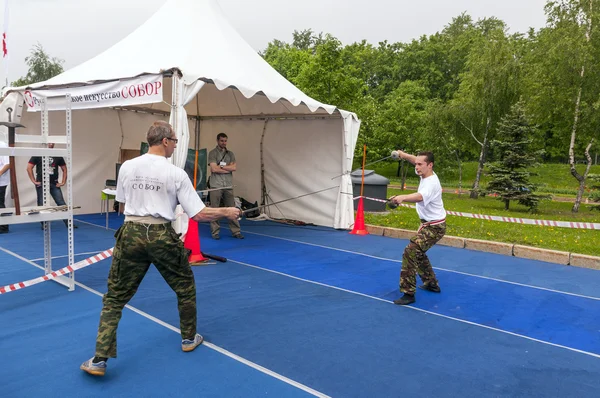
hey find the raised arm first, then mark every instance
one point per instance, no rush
(406, 156)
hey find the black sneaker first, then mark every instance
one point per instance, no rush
(238, 236)
(216, 237)
(434, 288)
(405, 300)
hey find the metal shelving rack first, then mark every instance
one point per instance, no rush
(45, 217)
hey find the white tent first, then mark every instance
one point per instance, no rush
(187, 64)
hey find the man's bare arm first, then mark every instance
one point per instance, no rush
(215, 213)
(410, 198)
(30, 174)
(216, 169)
(406, 156)
(230, 167)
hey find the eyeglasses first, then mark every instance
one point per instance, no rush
(172, 139)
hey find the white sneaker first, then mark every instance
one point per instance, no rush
(190, 345)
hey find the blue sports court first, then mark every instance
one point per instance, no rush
(303, 311)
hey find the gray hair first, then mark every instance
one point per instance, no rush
(158, 132)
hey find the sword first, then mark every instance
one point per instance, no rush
(287, 200)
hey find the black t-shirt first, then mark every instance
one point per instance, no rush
(55, 163)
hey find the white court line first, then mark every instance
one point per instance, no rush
(400, 262)
(436, 268)
(422, 310)
(66, 255)
(205, 343)
(419, 309)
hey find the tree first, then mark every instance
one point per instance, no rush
(489, 86)
(326, 78)
(595, 190)
(41, 67)
(564, 79)
(437, 61)
(509, 176)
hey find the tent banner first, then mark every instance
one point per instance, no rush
(145, 89)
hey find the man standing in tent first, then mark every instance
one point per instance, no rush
(222, 164)
(150, 187)
(4, 179)
(430, 209)
(55, 191)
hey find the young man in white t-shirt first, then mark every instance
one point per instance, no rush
(430, 209)
(150, 187)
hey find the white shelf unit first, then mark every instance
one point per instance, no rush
(46, 215)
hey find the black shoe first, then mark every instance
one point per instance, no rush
(216, 237)
(405, 300)
(238, 236)
(435, 289)
(3, 231)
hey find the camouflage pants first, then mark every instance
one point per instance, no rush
(415, 260)
(137, 246)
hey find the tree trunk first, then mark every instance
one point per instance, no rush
(459, 173)
(403, 174)
(582, 179)
(506, 204)
(574, 172)
(404, 170)
(474, 193)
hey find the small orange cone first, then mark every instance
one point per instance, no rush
(192, 242)
(359, 223)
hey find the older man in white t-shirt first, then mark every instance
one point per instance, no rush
(150, 187)
(4, 180)
(430, 209)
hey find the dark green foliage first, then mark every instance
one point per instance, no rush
(509, 177)
(595, 189)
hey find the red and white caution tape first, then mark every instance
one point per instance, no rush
(70, 268)
(527, 221)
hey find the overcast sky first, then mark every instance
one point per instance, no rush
(76, 30)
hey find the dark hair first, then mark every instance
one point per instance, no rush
(428, 156)
(221, 135)
(158, 132)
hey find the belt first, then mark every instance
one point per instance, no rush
(148, 226)
(425, 223)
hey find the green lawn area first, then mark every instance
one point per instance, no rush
(565, 239)
(551, 178)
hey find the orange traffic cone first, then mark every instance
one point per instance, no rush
(192, 242)
(359, 223)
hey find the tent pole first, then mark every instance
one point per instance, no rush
(263, 188)
(175, 102)
(197, 131)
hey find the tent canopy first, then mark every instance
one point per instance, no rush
(292, 143)
(192, 36)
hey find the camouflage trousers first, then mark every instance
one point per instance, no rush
(136, 247)
(415, 260)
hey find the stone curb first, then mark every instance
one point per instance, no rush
(489, 246)
(508, 249)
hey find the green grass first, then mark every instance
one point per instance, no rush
(564, 239)
(551, 178)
